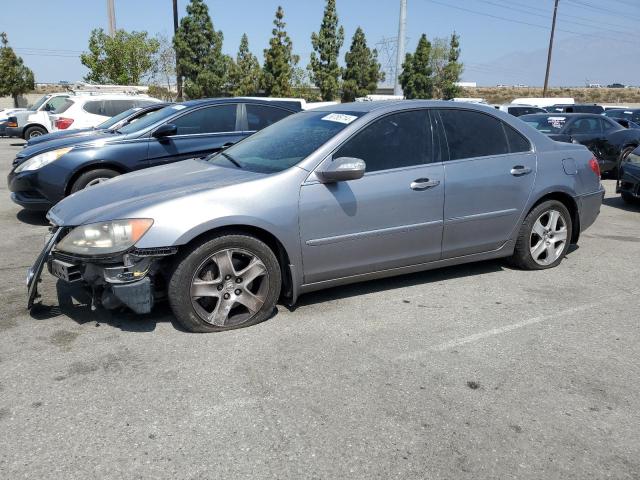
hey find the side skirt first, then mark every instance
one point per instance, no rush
(505, 250)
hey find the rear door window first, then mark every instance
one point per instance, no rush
(582, 126)
(214, 119)
(472, 134)
(116, 107)
(261, 116)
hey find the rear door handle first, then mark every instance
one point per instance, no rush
(424, 184)
(520, 170)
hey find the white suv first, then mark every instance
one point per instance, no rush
(85, 111)
(35, 121)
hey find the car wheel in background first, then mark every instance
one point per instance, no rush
(630, 199)
(544, 238)
(33, 132)
(93, 177)
(623, 156)
(228, 282)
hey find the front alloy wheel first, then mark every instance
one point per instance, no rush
(228, 282)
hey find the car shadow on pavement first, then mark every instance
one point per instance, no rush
(75, 303)
(617, 202)
(401, 281)
(31, 217)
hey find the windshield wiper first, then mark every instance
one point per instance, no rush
(231, 159)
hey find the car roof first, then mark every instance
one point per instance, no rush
(568, 115)
(390, 105)
(262, 101)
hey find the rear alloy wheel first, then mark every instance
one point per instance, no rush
(229, 282)
(33, 132)
(544, 237)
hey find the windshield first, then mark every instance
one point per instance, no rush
(39, 103)
(287, 142)
(546, 124)
(113, 120)
(152, 118)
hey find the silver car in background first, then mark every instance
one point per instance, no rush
(322, 198)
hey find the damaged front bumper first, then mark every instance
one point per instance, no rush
(129, 279)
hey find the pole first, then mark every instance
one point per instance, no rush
(111, 13)
(175, 30)
(397, 88)
(553, 31)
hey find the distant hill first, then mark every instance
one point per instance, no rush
(582, 95)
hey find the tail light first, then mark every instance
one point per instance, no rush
(63, 123)
(593, 164)
(12, 122)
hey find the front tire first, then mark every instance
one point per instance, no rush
(92, 177)
(228, 282)
(544, 238)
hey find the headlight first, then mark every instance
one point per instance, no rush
(41, 160)
(105, 237)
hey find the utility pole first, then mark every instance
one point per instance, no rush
(397, 88)
(175, 30)
(111, 13)
(553, 31)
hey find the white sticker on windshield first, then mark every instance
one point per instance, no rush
(178, 107)
(340, 118)
(556, 122)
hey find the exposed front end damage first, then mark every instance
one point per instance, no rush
(132, 279)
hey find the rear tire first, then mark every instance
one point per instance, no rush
(544, 238)
(623, 156)
(32, 132)
(92, 177)
(227, 282)
(630, 199)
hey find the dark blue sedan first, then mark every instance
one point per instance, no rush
(45, 173)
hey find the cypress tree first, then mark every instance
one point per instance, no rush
(325, 71)
(245, 72)
(453, 70)
(417, 74)
(199, 49)
(279, 61)
(362, 72)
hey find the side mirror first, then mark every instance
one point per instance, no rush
(342, 169)
(166, 130)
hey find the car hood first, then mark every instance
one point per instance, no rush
(60, 134)
(66, 141)
(122, 196)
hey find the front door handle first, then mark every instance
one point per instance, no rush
(520, 170)
(424, 184)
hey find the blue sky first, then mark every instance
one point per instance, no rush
(503, 41)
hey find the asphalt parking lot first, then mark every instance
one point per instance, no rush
(476, 371)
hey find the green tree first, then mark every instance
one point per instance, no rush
(199, 49)
(324, 68)
(362, 73)
(244, 78)
(452, 71)
(279, 60)
(15, 77)
(417, 74)
(123, 59)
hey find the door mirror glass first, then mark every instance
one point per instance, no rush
(341, 169)
(165, 130)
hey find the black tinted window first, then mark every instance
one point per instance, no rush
(473, 134)
(96, 107)
(116, 107)
(397, 140)
(518, 111)
(260, 116)
(517, 141)
(220, 118)
(609, 125)
(584, 126)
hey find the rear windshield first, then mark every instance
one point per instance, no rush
(546, 124)
(287, 142)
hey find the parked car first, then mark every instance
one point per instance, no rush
(628, 184)
(5, 113)
(625, 123)
(324, 198)
(576, 108)
(519, 110)
(609, 141)
(632, 114)
(112, 124)
(35, 120)
(84, 111)
(45, 173)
